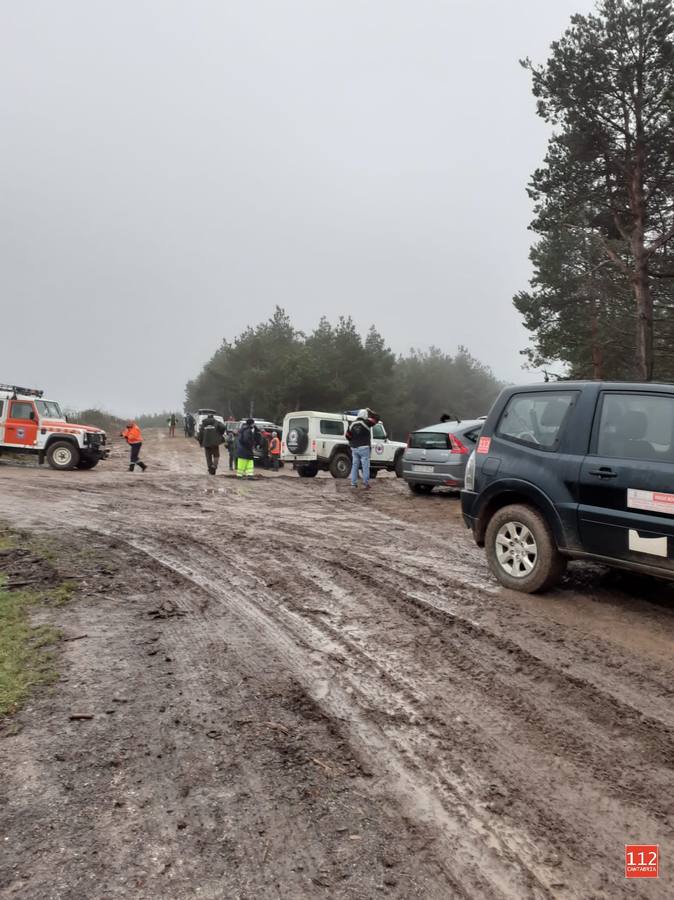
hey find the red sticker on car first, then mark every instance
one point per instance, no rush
(483, 445)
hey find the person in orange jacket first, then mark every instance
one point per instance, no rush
(275, 451)
(134, 438)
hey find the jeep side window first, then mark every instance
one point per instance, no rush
(636, 426)
(331, 427)
(379, 432)
(2, 406)
(21, 410)
(536, 419)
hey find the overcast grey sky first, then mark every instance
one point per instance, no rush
(172, 169)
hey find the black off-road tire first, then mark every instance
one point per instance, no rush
(340, 465)
(373, 473)
(308, 471)
(418, 488)
(88, 462)
(548, 564)
(398, 468)
(63, 455)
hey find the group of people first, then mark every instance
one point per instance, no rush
(240, 445)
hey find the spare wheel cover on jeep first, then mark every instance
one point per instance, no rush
(297, 441)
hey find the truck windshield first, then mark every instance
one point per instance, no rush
(48, 409)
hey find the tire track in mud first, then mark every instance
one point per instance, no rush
(463, 809)
(489, 870)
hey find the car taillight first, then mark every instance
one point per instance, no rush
(409, 440)
(469, 478)
(313, 445)
(456, 446)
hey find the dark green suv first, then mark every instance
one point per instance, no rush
(574, 470)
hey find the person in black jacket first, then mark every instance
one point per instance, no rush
(359, 436)
(231, 449)
(249, 438)
(210, 436)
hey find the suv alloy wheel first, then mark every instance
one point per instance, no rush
(521, 550)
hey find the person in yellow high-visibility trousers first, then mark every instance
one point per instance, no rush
(249, 437)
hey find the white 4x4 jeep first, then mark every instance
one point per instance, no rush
(315, 441)
(30, 424)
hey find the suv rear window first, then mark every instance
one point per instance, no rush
(298, 423)
(636, 426)
(428, 440)
(536, 419)
(331, 426)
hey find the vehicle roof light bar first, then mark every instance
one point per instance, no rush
(15, 389)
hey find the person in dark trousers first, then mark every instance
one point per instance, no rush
(172, 425)
(275, 451)
(189, 425)
(231, 449)
(359, 436)
(134, 438)
(210, 436)
(249, 438)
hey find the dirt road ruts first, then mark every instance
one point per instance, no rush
(299, 691)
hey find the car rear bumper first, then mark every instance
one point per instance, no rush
(446, 478)
(468, 508)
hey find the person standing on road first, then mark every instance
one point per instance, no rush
(172, 425)
(249, 438)
(231, 449)
(134, 438)
(188, 422)
(275, 451)
(359, 436)
(210, 436)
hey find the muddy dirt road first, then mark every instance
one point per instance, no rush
(301, 692)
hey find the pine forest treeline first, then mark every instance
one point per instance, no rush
(278, 369)
(601, 300)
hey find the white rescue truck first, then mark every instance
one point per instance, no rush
(316, 441)
(31, 424)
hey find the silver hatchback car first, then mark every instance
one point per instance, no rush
(436, 456)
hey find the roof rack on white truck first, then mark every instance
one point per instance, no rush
(316, 441)
(30, 424)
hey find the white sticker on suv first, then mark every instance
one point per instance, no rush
(655, 546)
(652, 501)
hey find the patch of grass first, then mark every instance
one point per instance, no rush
(7, 539)
(26, 659)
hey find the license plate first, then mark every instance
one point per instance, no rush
(425, 469)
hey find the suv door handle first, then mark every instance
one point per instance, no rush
(603, 472)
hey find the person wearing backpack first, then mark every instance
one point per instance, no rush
(249, 437)
(210, 436)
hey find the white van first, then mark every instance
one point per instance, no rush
(315, 442)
